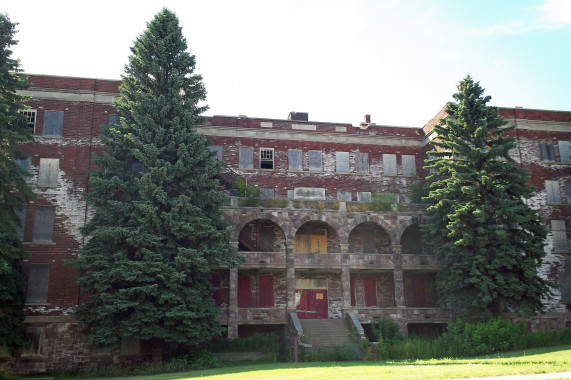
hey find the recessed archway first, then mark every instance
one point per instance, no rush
(316, 236)
(261, 235)
(369, 237)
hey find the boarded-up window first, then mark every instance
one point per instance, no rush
(546, 148)
(314, 243)
(130, 346)
(218, 150)
(344, 196)
(552, 190)
(36, 340)
(361, 162)
(246, 157)
(266, 291)
(315, 161)
(390, 164)
(266, 192)
(47, 174)
(294, 159)
(342, 162)
(565, 151)
(112, 119)
(363, 196)
(25, 163)
(565, 283)
(568, 192)
(353, 290)
(21, 214)
(244, 291)
(408, 165)
(368, 241)
(559, 235)
(44, 223)
(53, 123)
(38, 280)
(370, 291)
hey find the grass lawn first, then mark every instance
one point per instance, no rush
(554, 359)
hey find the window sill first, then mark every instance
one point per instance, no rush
(555, 162)
(37, 304)
(51, 137)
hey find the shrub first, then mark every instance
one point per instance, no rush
(388, 330)
(382, 201)
(266, 343)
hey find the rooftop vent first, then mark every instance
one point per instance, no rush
(365, 124)
(298, 116)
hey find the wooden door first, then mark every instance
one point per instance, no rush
(244, 291)
(266, 291)
(313, 304)
(370, 291)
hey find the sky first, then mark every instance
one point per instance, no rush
(398, 60)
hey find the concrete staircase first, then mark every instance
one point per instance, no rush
(325, 332)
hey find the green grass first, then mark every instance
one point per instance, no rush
(541, 360)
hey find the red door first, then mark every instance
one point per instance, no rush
(266, 291)
(313, 304)
(244, 291)
(370, 291)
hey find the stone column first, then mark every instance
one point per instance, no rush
(233, 307)
(345, 278)
(290, 276)
(399, 287)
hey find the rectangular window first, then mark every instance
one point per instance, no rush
(342, 162)
(216, 149)
(363, 196)
(565, 151)
(24, 164)
(559, 235)
(21, 214)
(244, 291)
(353, 290)
(44, 223)
(344, 196)
(112, 119)
(266, 291)
(294, 159)
(552, 190)
(266, 192)
(48, 172)
(53, 123)
(565, 283)
(390, 164)
(568, 192)
(361, 162)
(546, 148)
(38, 281)
(31, 118)
(266, 158)
(315, 161)
(246, 157)
(36, 340)
(408, 165)
(370, 291)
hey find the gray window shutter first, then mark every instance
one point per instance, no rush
(266, 192)
(546, 148)
(344, 196)
(408, 165)
(363, 196)
(294, 159)
(25, 164)
(552, 189)
(21, 214)
(565, 282)
(38, 281)
(559, 235)
(47, 174)
(246, 157)
(53, 123)
(218, 150)
(315, 161)
(565, 151)
(390, 164)
(342, 162)
(361, 162)
(568, 191)
(44, 223)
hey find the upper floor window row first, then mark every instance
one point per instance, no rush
(547, 150)
(53, 122)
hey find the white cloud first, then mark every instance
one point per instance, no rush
(555, 13)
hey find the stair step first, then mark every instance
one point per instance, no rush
(325, 332)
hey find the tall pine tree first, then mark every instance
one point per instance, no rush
(492, 242)
(14, 191)
(157, 230)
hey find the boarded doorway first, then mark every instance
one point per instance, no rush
(311, 298)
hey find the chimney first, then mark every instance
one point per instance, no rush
(298, 116)
(368, 119)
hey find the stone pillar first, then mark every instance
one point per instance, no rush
(399, 288)
(290, 276)
(345, 278)
(233, 306)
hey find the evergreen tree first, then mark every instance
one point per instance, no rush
(492, 242)
(14, 191)
(156, 231)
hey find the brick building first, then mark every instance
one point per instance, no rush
(311, 244)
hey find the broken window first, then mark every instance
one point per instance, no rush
(246, 157)
(408, 165)
(48, 171)
(390, 164)
(315, 161)
(342, 162)
(38, 281)
(53, 123)
(31, 119)
(559, 235)
(552, 190)
(266, 158)
(361, 162)
(44, 223)
(294, 159)
(546, 148)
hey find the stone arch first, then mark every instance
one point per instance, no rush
(261, 235)
(369, 237)
(412, 241)
(316, 236)
(334, 223)
(240, 221)
(384, 224)
(404, 224)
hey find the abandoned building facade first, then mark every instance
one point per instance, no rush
(311, 243)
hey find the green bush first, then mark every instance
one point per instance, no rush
(382, 201)
(388, 329)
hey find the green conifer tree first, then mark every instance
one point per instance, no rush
(156, 231)
(492, 242)
(14, 191)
